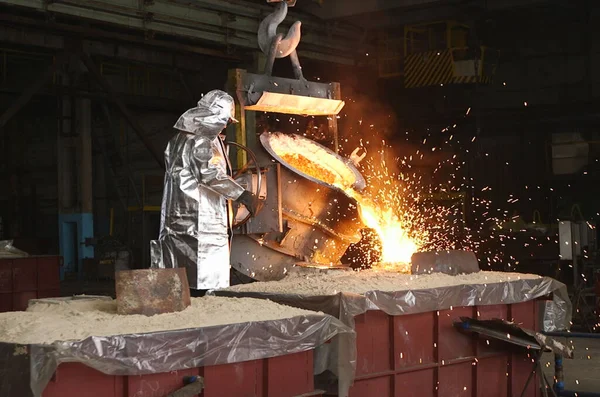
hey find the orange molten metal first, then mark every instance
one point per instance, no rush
(308, 167)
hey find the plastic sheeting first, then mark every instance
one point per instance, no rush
(8, 250)
(340, 356)
(160, 352)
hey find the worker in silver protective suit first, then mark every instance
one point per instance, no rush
(196, 215)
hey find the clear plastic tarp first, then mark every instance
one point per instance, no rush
(339, 357)
(25, 370)
(8, 250)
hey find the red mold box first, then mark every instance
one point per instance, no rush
(22, 279)
(424, 355)
(284, 376)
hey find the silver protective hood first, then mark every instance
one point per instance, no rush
(195, 212)
(212, 114)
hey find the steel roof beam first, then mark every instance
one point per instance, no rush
(202, 21)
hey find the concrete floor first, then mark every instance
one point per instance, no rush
(582, 373)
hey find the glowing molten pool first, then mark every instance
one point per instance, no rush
(310, 168)
(307, 157)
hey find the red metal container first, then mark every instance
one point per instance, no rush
(284, 376)
(423, 355)
(22, 279)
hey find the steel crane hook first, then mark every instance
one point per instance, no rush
(267, 31)
(274, 45)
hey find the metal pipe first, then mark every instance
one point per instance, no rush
(546, 384)
(65, 154)
(559, 376)
(571, 393)
(84, 127)
(559, 385)
(530, 377)
(574, 335)
(193, 386)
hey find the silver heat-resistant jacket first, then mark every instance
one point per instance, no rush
(195, 215)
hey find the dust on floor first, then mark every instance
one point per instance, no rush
(78, 319)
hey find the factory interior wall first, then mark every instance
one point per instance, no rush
(546, 83)
(121, 162)
(551, 69)
(122, 169)
(27, 176)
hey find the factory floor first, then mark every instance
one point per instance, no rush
(582, 373)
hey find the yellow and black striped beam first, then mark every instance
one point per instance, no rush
(434, 68)
(428, 68)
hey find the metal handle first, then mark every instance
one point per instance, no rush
(194, 386)
(243, 169)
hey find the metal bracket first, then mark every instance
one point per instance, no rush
(257, 91)
(290, 3)
(193, 386)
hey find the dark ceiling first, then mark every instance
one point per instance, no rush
(377, 14)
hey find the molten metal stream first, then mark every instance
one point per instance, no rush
(396, 245)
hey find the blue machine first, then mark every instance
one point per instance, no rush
(74, 231)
